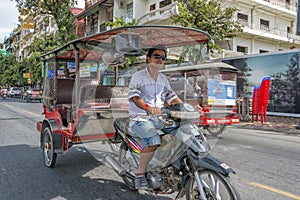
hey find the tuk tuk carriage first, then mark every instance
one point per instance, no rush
(86, 82)
(213, 87)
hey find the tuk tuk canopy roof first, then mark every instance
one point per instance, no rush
(170, 36)
(195, 68)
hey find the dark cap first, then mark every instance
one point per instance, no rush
(157, 47)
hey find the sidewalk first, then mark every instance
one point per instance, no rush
(285, 125)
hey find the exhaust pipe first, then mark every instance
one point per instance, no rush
(116, 166)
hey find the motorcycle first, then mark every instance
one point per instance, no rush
(181, 164)
(4, 94)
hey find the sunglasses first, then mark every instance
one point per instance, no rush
(157, 56)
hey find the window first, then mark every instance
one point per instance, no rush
(129, 10)
(243, 19)
(263, 51)
(264, 25)
(288, 30)
(242, 49)
(94, 23)
(164, 3)
(152, 7)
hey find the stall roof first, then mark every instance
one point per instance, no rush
(213, 65)
(170, 36)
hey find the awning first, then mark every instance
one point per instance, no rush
(26, 25)
(3, 51)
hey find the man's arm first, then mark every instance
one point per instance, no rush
(175, 101)
(138, 101)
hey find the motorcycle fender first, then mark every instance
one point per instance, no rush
(211, 163)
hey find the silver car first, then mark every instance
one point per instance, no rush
(14, 92)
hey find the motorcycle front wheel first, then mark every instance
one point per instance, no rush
(216, 130)
(216, 187)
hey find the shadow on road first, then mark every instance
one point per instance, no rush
(76, 175)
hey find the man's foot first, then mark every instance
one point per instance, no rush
(140, 182)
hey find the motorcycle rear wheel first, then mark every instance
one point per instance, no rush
(216, 187)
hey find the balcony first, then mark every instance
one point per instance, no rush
(159, 14)
(26, 34)
(277, 7)
(92, 6)
(268, 32)
(282, 4)
(91, 32)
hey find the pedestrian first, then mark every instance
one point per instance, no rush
(149, 91)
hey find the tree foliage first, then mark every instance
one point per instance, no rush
(119, 22)
(11, 70)
(285, 87)
(210, 16)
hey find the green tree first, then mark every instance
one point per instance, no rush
(59, 10)
(119, 22)
(210, 16)
(64, 19)
(285, 86)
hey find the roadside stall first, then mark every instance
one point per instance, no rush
(211, 86)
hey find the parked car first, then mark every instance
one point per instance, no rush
(14, 92)
(33, 94)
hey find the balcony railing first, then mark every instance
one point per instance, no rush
(243, 22)
(282, 4)
(90, 3)
(159, 14)
(91, 32)
(268, 30)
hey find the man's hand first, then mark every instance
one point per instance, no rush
(198, 107)
(154, 110)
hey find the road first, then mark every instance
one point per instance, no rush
(267, 164)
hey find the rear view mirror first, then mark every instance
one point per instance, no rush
(205, 54)
(127, 44)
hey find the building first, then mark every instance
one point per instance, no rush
(98, 12)
(26, 30)
(269, 25)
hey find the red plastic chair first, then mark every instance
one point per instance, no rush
(260, 100)
(264, 98)
(255, 98)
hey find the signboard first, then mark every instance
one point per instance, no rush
(26, 75)
(71, 65)
(50, 73)
(221, 92)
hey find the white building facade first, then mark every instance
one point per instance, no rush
(269, 25)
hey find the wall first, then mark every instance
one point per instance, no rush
(284, 70)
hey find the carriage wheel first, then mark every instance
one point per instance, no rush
(48, 151)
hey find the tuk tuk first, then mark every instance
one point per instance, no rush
(211, 86)
(86, 82)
